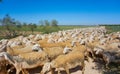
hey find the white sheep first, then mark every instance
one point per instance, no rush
(31, 36)
(51, 40)
(67, 50)
(29, 43)
(60, 40)
(3, 48)
(25, 39)
(20, 38)
(83, 42)
(38, 37)
(37, 47)
(15, 43)
(4, 41)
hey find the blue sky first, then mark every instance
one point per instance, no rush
(67, 12)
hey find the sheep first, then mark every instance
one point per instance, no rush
(70, 60)
(73, 43)
(9, 42)
(60, 34)
(44, 44)
(26, 61)
(37, 37)
(20, 38)
(3, 64)
(31, 36)
(66, 38)
(3, 48)
(54, 52)
(37, 47)
(109, 53)
(107, 56)
(4, 41)
(82, 42)
(61, 40)
(29, 43)
(43, 36)
(107, 46)
(91, 39)
(66, 50)
(103, 41)
(18, 50)
(15, 43)
(51, 40)
(90, 46)
(25, 39)
(110, 47)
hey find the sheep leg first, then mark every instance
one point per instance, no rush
(107, 67)
(17, 71)
(93, 55)
(83, 69)
(10, 70)
(58, 71)
(24, 71)
(107, 61)
(4, 69)
(86, 55)
(67, 70)
(52, 71)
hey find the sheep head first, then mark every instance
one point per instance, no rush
(98, 50)
(37, 47)
(66, 50)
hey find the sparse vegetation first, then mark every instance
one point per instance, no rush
(112, 28)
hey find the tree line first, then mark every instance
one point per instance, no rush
(10, 27)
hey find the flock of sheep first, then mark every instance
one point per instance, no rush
(58, 51)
